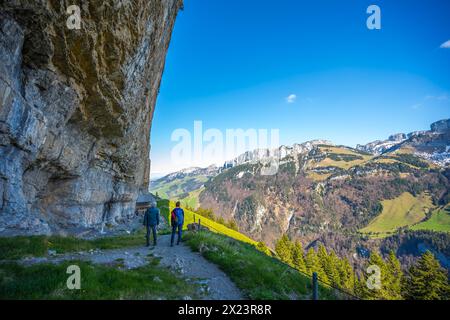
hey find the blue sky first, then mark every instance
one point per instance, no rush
(233, 63)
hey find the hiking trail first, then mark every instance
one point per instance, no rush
(179, 258)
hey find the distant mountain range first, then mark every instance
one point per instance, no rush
(392, 193)
(184, 185)
(432, 145)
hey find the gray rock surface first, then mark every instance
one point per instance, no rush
(441, 126)
(76, 109)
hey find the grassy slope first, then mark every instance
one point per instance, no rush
(165, 205)
(258, 275)
(327, 162)
(48, 281)
(37, 246)
(174, 188)
(402, 211)
(439, 221)
(192, 200)
(316, 176)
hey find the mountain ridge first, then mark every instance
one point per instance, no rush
(377, 147)
(326, 193)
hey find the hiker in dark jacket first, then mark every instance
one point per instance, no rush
(151, 220)
(177, 220)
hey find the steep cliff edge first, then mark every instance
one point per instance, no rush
(75, 110)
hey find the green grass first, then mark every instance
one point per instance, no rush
(405, 210)
(258, 275)
(177, 187)
(439, 221)
(166, 207)
(334, 153)
(192, 200)
(37, 246)
(48, 281)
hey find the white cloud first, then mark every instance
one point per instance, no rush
(436, 100)
(442, 97)
(291, 98)
(446, 45)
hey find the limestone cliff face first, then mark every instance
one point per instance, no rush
(76, 108)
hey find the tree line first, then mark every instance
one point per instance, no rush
(425, 280)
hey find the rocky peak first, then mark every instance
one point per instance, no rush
(398, 137)
(432, 145)
(279, 153)
(441, 126)
(191, 172)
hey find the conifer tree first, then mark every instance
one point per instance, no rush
(346, 275)
(331, 268)
(360, 288)
(394, 277)
(322, 254)
(390, 278)
(427, 280)
(298, 258)
(313, 265)
(328, 265)
(372, 288)
(283, 248)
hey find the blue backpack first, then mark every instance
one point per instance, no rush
(177, 216)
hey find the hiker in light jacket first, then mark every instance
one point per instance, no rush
(151, 220)
(177, 220)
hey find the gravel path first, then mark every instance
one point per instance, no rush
(215, 283)
(193, 265)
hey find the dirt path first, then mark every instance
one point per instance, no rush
(216, 284)
(193, 265)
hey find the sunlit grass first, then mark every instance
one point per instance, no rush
(48, 281)
(258, 275)
(38, 246)
(439, 221)
(403, 211)
(167, 206)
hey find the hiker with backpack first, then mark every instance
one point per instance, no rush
(151, 221)
(177, 220)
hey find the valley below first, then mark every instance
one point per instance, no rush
(386, 195)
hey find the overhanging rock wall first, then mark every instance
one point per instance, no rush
(75, 110)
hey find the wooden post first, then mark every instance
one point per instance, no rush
(315, 286)
(199, 223)
(194, 218)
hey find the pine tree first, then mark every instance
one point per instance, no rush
(331, 268)
(346, 275)
(298, 258)
(394, 277)
(373, 284)
(328, 265)
(427, 280)
(283, 248)
(390, 278)
(360, 288)
(322, 255)
(313, 265)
